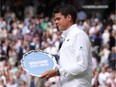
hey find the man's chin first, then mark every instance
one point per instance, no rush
(60, 29)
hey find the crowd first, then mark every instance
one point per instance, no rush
(39, 32)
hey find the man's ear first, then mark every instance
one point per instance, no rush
(69, 17)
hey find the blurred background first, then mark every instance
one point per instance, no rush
(28, 25)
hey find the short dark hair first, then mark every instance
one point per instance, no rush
(65, 10)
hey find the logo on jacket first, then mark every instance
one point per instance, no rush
(81, 48)
(68, 39)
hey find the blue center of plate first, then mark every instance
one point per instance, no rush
(37, 63)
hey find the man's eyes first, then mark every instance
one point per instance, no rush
(57, 18)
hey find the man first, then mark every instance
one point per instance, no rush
(75, 54)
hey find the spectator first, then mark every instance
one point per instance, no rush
(112, 58)
(102, 77)
(2, 83)
(11, 82)
(23, 84)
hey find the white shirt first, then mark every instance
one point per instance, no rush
(12, 85)
(75, 59)
(103, 77)
(52, 50)
(94, 63)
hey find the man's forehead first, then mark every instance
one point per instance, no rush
(58, 15)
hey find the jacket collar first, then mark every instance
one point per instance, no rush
(69, 30)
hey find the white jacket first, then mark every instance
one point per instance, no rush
(75, 59)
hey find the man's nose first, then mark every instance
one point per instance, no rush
(56, 21)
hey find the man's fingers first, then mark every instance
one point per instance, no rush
(48, 74)
(44, 75)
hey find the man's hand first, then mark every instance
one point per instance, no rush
(49, 73)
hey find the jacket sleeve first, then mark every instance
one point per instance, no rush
(81, 53)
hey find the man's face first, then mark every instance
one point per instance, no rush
(61, 21)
